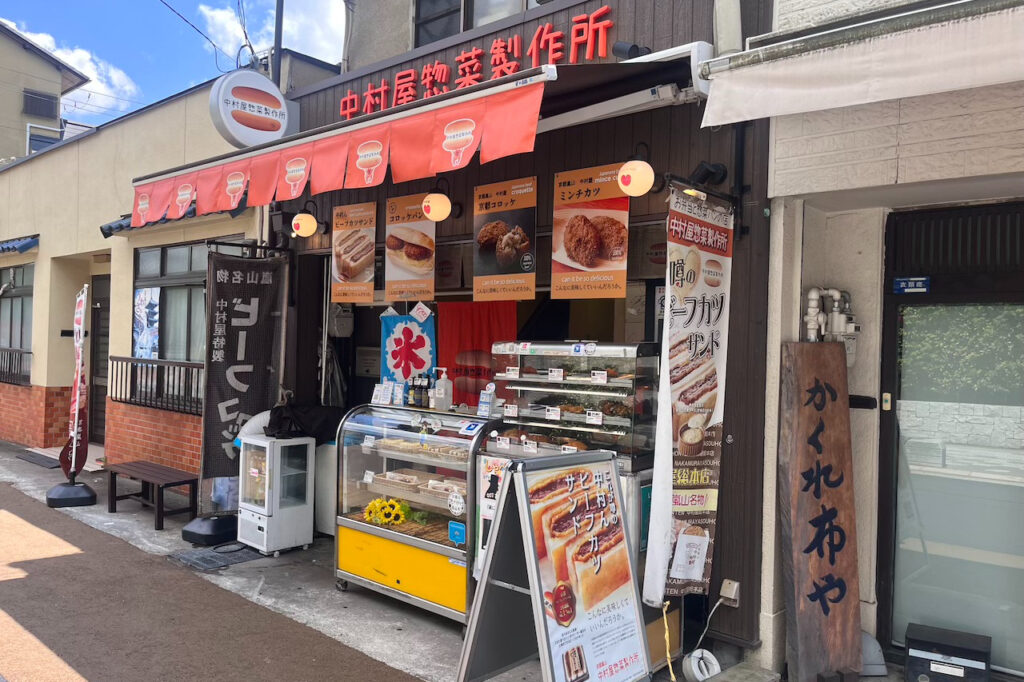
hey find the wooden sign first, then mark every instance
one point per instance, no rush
(816, 506)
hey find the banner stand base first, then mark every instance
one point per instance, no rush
(211, 530)
(70, 495)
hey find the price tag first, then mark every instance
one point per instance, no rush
(599, 376)
(595, 417)
(420, 312)
(553, 413)
(503, 442)
(367, 476)
(530, 447)
(511, 410)
(556, 374)
(512, 372)
(369, 441)
(569, 449)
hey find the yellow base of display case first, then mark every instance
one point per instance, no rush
(420, 576)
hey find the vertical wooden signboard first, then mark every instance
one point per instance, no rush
(816, 507)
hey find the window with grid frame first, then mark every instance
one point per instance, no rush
(438, 19)
(16, 307)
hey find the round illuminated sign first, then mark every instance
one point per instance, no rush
(436, 206)
(636, 178)
(247, 108)
(304, 225)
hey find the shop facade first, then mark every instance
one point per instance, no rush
(910, 205)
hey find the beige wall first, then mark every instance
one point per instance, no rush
(791, 15)
(380, 29)
(969, 133)
(22, 69)
(296, 73)
(67, 193)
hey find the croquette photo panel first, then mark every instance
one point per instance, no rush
(504, 241)
(590, 234)
(558, 529)
(408, 251)
(354, 241)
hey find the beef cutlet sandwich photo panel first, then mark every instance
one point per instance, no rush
(410, 249)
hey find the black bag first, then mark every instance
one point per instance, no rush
(296, 421)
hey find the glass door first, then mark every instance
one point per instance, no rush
(959, 532)
(294, 474)
(254, 478)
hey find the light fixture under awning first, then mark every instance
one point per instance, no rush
(417, 140)
(958, 46)
(19, 244)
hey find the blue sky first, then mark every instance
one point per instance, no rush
(137, 51)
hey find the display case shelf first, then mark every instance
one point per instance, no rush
(421, 458)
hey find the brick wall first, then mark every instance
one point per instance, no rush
(142, 433)
(934, 137)
(36, 416)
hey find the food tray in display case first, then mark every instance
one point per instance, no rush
(579, 395)
(406, 504)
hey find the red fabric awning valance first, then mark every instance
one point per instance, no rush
(418, 145)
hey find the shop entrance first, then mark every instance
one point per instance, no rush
(951, 549)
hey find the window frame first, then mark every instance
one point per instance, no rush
(465, 9)
(19, 293)
(28, 94)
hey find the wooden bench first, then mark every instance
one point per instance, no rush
(155, 478)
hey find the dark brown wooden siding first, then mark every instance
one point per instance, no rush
(677, 144)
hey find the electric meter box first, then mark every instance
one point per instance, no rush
(937, 655)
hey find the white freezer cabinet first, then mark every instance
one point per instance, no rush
(275, 495)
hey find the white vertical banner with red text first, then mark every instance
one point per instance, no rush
(688, 449)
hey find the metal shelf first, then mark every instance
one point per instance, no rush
(421, 458)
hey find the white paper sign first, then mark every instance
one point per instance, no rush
(398, 397)
(381, 395)
(511, 410)
(556, 374)
(599, 376)
(595, 417)
(530, 447)
(569, 449)
(420, 312)
(512, 372)
(369, 441)
(553, 413)
(367, 476)
(503, 442)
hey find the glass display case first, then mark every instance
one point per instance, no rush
(578, 395)
(406, 504)
(275, 496)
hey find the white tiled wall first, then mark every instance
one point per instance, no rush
(949, 135)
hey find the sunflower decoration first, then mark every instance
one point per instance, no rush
(386, 512)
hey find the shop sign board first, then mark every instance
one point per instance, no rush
(559, 561)
(587, 38)
(505, 241)
(911, 285)
(590, 234)
(700, 241)
(409, 250)
(816, 508)
(247, 108)
(352, 254)
(243, 341)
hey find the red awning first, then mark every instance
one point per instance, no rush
(417, 144)
(418, 140)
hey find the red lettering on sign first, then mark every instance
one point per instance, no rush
(588, 29)
(350, 105)
(470, 68)
(546, 38)
(376, 97)
(405, 87)
(502, 54)
(435, 79)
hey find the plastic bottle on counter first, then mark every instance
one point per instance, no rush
(443, 391)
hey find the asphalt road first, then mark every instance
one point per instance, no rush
(76, 603)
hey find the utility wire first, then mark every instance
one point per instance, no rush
(240, 13)
(196, 29)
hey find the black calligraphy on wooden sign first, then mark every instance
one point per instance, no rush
(816, 507)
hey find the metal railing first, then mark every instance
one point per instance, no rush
(161, 384)
(15, 366)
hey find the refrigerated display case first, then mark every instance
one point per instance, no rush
(580, 395)
(275, 495)
(406, 504)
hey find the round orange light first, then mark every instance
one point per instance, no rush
(304, 225)
(636, 178)
(436, 206)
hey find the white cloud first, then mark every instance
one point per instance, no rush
(109, 92)
(313, 27)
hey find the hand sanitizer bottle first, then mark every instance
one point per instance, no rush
(443, 391)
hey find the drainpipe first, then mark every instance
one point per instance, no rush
(28, 134)
(953, 11)
(728, 29)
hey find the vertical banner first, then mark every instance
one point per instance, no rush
(146, 324)
(592, 622)
(816, 504)
(505, 246)
(590, 234)
(354, 239)
(700, 241)
(75, 451)
(409, 249)
(245, 304)
(408, 347)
